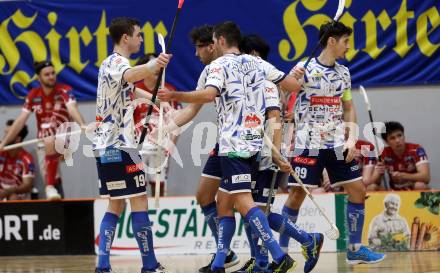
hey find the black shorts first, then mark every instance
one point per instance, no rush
(120, 173)
(310, 164)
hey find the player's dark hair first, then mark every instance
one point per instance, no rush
(24, 131)
(333, 29)
(120, 26)
(230, 31)
(146, 58)
(38, 66)
(254, 42)
(391, 127)
(202, 34)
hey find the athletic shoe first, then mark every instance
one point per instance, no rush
(247, 267)
(52, 193)
(311, 251)
(159, 269)
(364, 256)
(286, 265)
(230, 261)
(103, 270)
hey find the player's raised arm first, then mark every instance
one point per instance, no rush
(15, 129)
(199, 96)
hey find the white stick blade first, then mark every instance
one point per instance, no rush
(161, 41)
(341, 5)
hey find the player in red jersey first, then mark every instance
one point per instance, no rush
(149, 149)
(53, 104)
(407, 163)
(16, 169)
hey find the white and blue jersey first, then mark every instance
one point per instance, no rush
(318, 108)
(240, 81)
(114, 109)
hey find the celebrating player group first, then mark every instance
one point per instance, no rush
(245, 166)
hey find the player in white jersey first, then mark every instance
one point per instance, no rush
(120, 167)
(323, 111)
(211, 175)
(266, 173)
(238, 80)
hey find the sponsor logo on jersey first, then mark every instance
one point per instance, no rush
(305, 160)
(252, 121)
(270, 90)
(323, 100)
(36, 100)
(215, 70)
(134, 168)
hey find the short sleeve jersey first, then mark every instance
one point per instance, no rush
(50, 110)
(240, 81)
(14, 169)
(318, 107)
(114, 107)
(272, 100)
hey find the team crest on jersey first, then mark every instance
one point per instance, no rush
(252, 121)
(316, 76)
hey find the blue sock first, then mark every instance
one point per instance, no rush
(283, 225)
(355, 219)
(144, 237)
(261, 255)
(226, 229)
(292, 214)
(258, 252)
(210, 212)
(106, 235)
(260, 226)
(250, 237)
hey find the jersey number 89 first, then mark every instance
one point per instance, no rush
(301, 172)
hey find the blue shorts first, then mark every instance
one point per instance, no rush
(120, 173)
(261, 186)
(310, 164)
(212, 167)
(237, 173)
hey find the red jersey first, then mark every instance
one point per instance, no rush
(50, 110)
(14, 169)
(414, 155)
(141, 110)
(367, 153)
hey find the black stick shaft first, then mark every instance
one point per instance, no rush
(376, 148)
(159, 79)
(314, 51)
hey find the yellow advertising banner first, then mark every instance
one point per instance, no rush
(400, 221)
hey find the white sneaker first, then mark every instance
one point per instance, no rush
(52, 193)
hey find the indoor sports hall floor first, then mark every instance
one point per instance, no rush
(406, 262)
